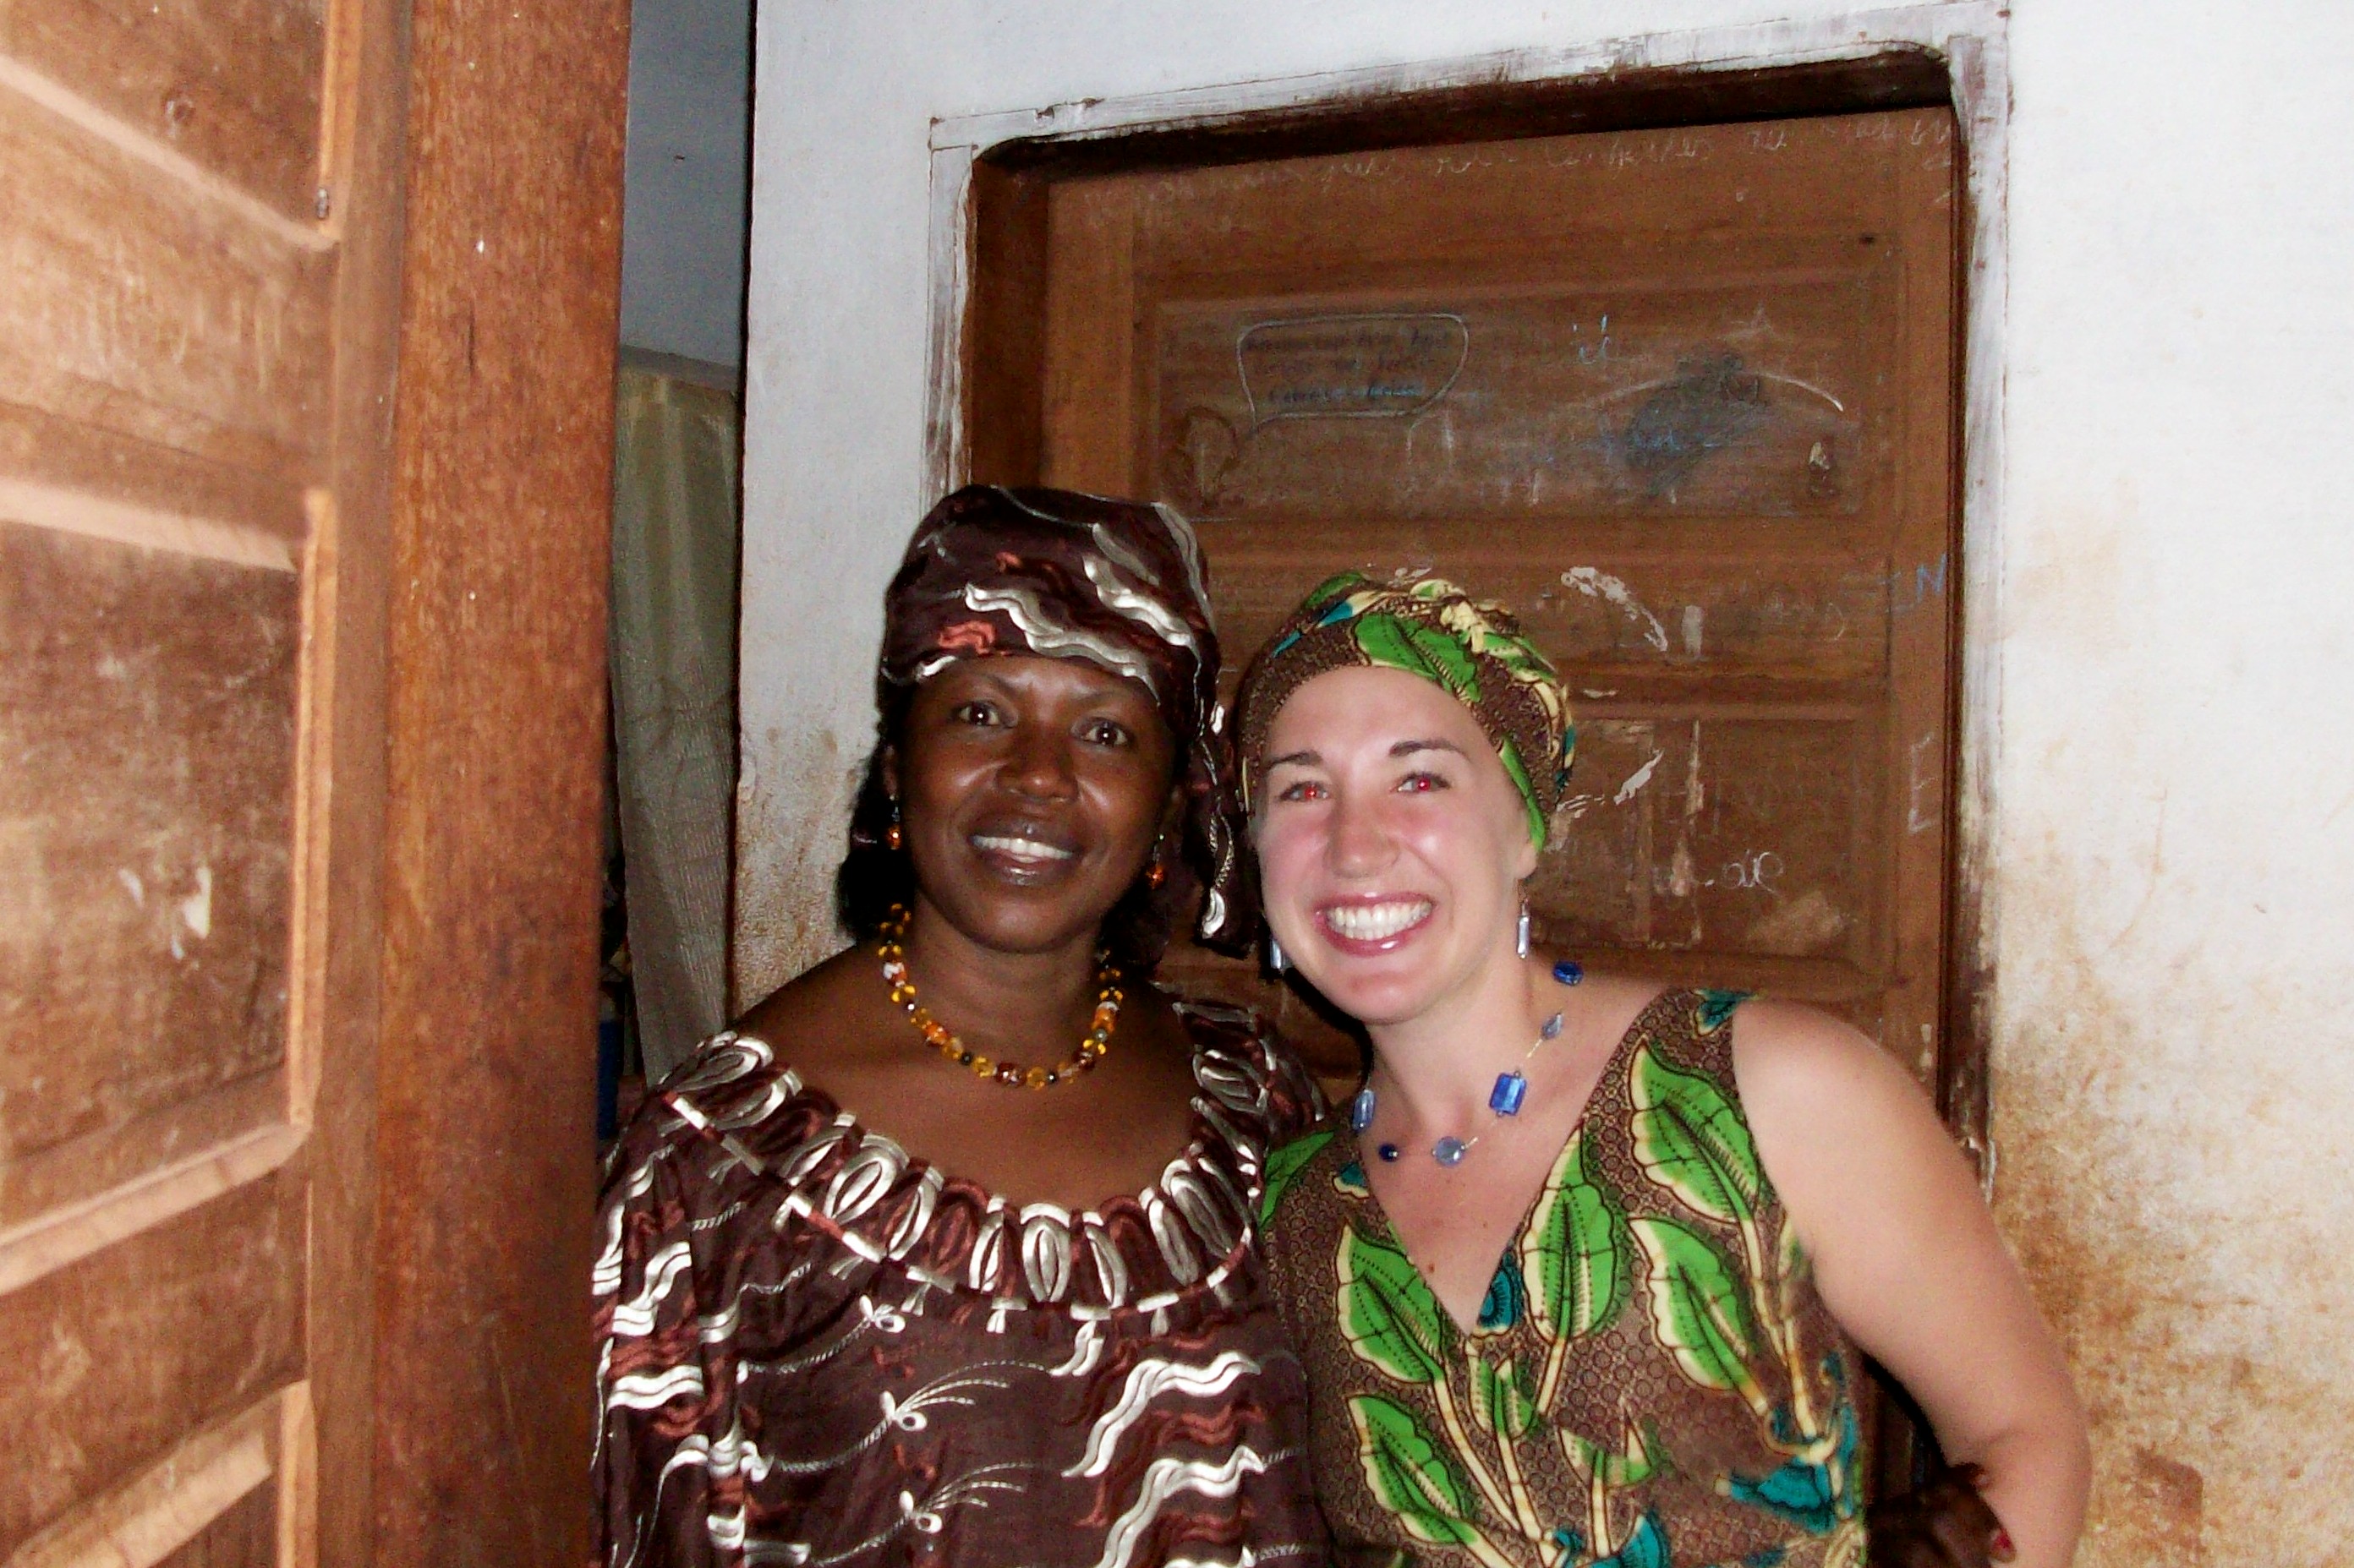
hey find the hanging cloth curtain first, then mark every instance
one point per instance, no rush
(674, 662)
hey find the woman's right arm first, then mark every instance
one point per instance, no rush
(1907, 1259)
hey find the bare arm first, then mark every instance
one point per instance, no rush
(1908, 1260)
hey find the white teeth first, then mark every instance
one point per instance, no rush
(1374, 922)
(1020, 849)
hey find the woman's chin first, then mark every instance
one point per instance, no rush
(1373, 999)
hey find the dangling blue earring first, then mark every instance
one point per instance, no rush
(1275, 958)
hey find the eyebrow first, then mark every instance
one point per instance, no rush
(1305, 758)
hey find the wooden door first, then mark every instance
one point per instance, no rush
(192, 212)
(210, 691)
(1682, 398)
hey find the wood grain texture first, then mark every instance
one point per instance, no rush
(212, 1301)
(148, 306)
(496, 722)
(180, 1500)
(148, 732)
(369, 75)
(1679, 396)
(38, 448)
(245, 1535)
(233, 84)
(66, 1226)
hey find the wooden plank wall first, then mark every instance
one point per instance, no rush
(172, 366)
(271, 1288)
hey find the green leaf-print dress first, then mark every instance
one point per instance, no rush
(1652, 1382)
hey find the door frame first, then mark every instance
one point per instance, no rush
(990, 173)
(450, 779)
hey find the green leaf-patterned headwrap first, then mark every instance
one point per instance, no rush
(1426, 626)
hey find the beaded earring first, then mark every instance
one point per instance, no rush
(892, 836)
(1159, 873)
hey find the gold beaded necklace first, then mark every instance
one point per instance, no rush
(892, 934)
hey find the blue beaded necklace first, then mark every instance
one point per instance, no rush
(1511, 1090)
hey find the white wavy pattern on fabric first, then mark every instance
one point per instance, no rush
(1048, 639)
(636, 1317)
(1147, 1381)
(1174, 1478)
(1148, 612)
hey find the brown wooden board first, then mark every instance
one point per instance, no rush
(244, 1536)
(495, 716)
(106, 1364)
(152, 306)
(1681, 396)
(233, 85)
(146, 708)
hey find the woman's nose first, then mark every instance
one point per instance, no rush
(1361, 845)
(1041, 763)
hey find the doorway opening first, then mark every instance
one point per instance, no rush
(678, 438)
(1668, 364)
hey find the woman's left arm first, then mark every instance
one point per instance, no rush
(1908, 1260)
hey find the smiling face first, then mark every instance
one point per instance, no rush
(1031, 791)
(1391, 843)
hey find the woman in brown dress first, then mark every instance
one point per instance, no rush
(1581, 1277)
(1015, 1318)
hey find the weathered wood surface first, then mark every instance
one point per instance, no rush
(234, 85)
(106, 1364)
(150, 306)
(146, 707)
(1682, 398)
(496, 719)
(207, 1494)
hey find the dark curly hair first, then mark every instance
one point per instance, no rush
(874, 877)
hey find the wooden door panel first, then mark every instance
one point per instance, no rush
(1583, 398)
(1682, 398)
(150, 695)
(246, 1536)
(110, 1361)
(234, 85)
(168, 360)
(151, 302)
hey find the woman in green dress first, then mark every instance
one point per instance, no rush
(1583, 1275)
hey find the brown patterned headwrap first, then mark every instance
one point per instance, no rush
(1471, 648)
(1066, 576)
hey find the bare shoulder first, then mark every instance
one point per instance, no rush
(819, 1013)
(1796, 1062)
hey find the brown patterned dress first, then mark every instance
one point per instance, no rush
(1652, 1382)
(816, 1350)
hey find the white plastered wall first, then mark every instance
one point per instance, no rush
(2159, 657)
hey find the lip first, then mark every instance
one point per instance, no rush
(1025, 851)
(1375, 923)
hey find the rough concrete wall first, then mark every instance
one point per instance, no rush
(2173, 837)
(2174, 1095)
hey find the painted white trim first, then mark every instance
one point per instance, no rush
(1973, 37)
